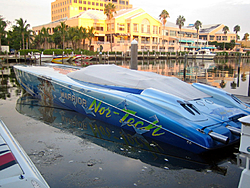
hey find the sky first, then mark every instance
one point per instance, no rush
(227, 12)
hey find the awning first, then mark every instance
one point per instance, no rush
(186, 40)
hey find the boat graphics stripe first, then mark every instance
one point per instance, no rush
(7, 160)
(4, 151)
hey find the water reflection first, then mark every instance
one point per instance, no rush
(124, 142)
(8, 82)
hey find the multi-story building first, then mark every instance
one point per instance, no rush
(70, 8)
(133, 23)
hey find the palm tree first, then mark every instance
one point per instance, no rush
(3, 25)
(63, 32)
(45, 35)
(236, 30)
(22, 27)
(73, 34)
(197, 26)
(83, 35)
(109, 11)
(90, 35)
(163, 17)
(180, 22)
(246, 37)
(225, 30)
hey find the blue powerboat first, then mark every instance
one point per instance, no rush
(193, 117)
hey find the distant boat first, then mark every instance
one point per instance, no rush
(201, 54)
(82, 58)
(44, 58)
(61, 59)
(16, 168)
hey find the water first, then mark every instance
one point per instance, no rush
(72, 150)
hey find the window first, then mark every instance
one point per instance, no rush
(80, 8)
(93, 3)
(224, 38)
(145, 26)
(218, 37)
(211, 37)
(128, 28)
(172, 33)
(101, 4)
(75, 1)
(84, 2)
(120, 27)
(89, 3)
(80, 1)
(97, 4)
(135, 28)
(155, 29)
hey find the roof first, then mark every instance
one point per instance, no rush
(93, 14)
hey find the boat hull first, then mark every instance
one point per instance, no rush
(131, 112)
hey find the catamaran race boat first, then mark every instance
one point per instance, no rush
(193, 117)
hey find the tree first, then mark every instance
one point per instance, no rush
(225, 30)
(22, 28)
(74, 36)
(62, 29)
(90, 35)
(3, 25)
(109, 11)
(45, 35)
(236, 30)
(180, 22)
(83, 35)
(163, 17)
(246, 37)
(197, 26)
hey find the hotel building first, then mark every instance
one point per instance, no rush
(70, 8)
(131, 23)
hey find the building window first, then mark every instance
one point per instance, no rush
(224, 38)
(120, 27)
(155, 29)
(84, 2)
(80, 1)
(128, 28)
(97, 4)
(172, 33)
(145, 26)
(135, 28)
(89, 3)
(84, 8)
(80, 8)
(75, 1)
(93, 3)
(218, 37)
(211, 37)
(101, 4)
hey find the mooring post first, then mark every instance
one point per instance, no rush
(134, 55)
(185, 64)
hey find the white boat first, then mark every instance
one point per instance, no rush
(16, 168)
(44, 58)
(201, 54)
